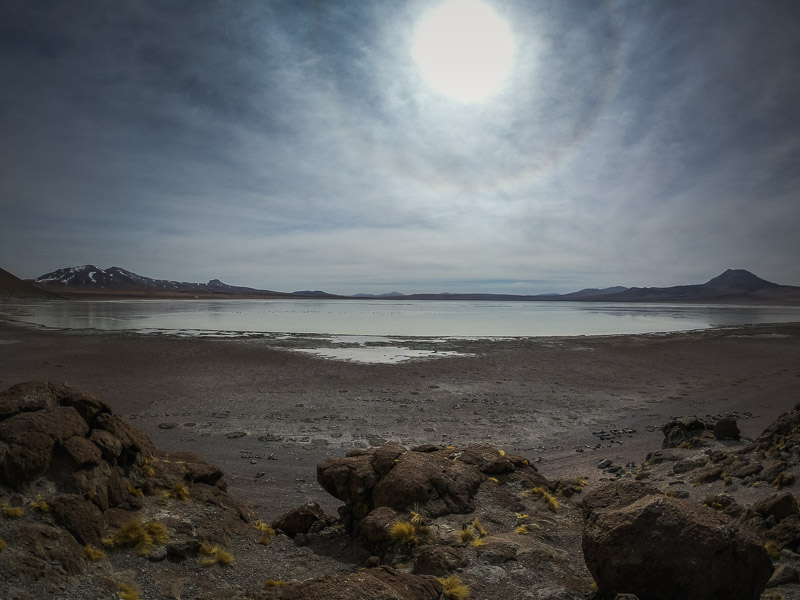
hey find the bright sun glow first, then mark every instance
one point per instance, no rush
(464, 50)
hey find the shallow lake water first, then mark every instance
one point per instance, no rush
(397, 317)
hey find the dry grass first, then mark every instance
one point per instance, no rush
(274, 583)
(2, 544)
(39, 504)
(179, 491)
(772, 549)
(404, 532)
(11, 512)
(267, 532)
(552, 503)
(141, 537)
(92, 553)
(214, 555)
(127, 592)
(453, 588)
(466, 535)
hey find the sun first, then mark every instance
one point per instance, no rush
(464, 50)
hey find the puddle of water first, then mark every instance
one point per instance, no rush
(377, 354)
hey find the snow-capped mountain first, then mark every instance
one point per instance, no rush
(90, 277)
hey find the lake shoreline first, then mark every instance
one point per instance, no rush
(268, 414)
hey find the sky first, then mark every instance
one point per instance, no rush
(313, 145)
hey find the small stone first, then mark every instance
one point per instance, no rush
(169, 425)
(605, 463)
(232, 435)
(158, 554)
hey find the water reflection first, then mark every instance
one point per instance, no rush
(391, 318)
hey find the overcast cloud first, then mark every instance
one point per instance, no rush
(295, 145)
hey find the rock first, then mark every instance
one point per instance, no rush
(604, 464)
(497, 552)
(726, 429)
(82, 452)
(110, 446)
(439, 561)
(783, 574)
(431, 482)
(614, 496)
(134, 441)
(786, 533)
(301, 519)
(380, 583)
(742, 469)
(688, 464)
(374, 528)
(708, 474)
(688, 430)
(778, 506)
(183, 549)
(81, 517)
(699, 554)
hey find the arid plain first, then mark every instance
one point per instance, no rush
(268, 414)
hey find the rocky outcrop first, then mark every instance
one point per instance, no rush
(661, 548)
(71, 471)
(302, 518)
(432, 480)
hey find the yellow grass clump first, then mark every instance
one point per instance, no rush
(476, 525)
(453, 588)
(141, 537)
(404, 531)
(542, 493)
(522, 530)
(416, 518)
(127, 592)
(267, 532)
(11, 512)
(772, 549)
(274, 583)
(214, 555)
(39, 504)
(92, 553)
(179, 491)
(466, 535)
(476, 543)
(2, 544)
(134, 491)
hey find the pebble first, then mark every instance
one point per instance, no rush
(605, 463)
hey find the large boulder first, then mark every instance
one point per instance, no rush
(662, 548)
(301, 519)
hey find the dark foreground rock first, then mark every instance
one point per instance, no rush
(661, 548)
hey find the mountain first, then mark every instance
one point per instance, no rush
(89, 278)
(734, 285)
(12, 286)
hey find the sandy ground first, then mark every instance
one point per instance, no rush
(268, 414)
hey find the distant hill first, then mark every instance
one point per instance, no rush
(734, 285)
(12, 286)
(115, 280)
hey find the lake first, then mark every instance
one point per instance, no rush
(396, 317)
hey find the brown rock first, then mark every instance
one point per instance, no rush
(27, 397)
(686, 430)
(383, 459)
(133, 440)
(374, 528)
(81, 517)
(662, 548)
(83, 452)
(779, 506)
(614, 496)
(196, 469)
(783, 574)
(60, 423)
(27, 460)
(439, 561)
(726, 429)
(110, 446)
(380, 583)
(786, 533)
(497, 552)
(301, 519)
(350, 479)
(429, 481)
(49, 553)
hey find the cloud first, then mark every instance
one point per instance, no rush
(294, 145)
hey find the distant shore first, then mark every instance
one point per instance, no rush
(268, 414)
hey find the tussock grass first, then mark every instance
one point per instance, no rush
(2, 544)
(476, 525)
(552, 503)
(476, 543)
(92, 553)
(214, 554)
(267, 532)
(11, 512)
(179, 491)
(128, 592)
(141, 537)
(39, 504)
(454, 589)
(405, 532)
(772, 549)
(274, 583)
(466, 535)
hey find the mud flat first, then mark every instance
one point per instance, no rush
(267, 409)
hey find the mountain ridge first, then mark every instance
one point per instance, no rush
(732, 285)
